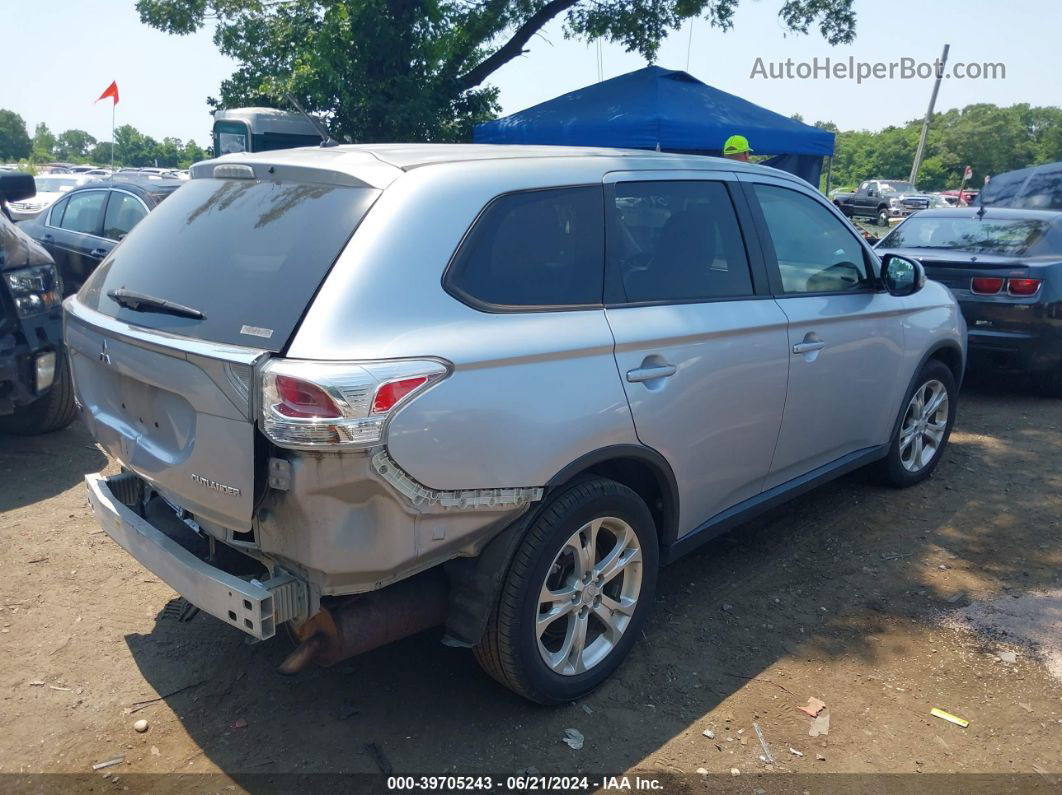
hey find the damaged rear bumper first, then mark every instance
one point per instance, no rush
(253, 607)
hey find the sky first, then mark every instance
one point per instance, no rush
(164, 80)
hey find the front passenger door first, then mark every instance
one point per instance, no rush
(845, 332)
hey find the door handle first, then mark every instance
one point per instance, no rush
(641, 374)
(47, 238)
(808, 347)
(99, 253)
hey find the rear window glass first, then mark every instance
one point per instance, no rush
(532, 249)
(248, 255)
(677, 241)
(1012, 237)
(83, 211)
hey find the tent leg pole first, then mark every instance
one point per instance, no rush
(829, 173)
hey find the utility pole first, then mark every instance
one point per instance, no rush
(929, 114)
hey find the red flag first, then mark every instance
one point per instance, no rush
(112, 91)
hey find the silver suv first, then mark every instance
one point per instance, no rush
(368, 390)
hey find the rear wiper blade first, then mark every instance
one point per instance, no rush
(139, 302)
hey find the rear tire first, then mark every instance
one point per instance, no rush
(590, 559)
(51, 412)
(926, 420)
(883, 217)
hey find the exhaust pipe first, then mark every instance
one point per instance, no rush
(364, 622)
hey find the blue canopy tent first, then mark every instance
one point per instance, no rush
(656, 108)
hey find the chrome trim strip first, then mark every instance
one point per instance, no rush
(212, 350)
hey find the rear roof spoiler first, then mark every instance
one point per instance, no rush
(317, 166)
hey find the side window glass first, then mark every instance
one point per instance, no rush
(677, 241)
(815, 250)
(123, 213)
(83, 212)
(56, 216)
(535, 248)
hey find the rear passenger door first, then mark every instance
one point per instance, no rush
(700, 343)
(78, 237)
(845, 331)
(50, 224)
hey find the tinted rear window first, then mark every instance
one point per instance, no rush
(249, 255)
(534, 249)
(1011, 238)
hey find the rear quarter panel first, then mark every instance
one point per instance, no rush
(530, 391)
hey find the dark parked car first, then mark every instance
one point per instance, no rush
(1005, 268)
(81, 229)
(35, 390)
(1033, 188)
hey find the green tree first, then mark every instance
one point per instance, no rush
(168, 152)
(43, 143)
(191, 153)
(73, 145)
(988, 138)
(100, 154)
(15, 142)
(133, 148)
(417, 69)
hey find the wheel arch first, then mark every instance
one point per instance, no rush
(947, 352)
(475, 582)
(950, 354)
(641, 469)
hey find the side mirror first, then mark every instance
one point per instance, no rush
(17, 186)
(902, 275)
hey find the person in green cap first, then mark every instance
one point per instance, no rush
(737, 148)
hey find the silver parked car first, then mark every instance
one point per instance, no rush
(365, 390)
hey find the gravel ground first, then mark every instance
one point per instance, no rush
(883, 604)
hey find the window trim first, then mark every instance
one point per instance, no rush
(615, 293)
(48, 221)
(872, 264)
(99, 218)
(106, 207)
(489, 307)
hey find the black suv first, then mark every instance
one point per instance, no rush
(35, 390)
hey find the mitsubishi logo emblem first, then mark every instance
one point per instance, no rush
(103, 355)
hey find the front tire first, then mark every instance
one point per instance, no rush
(576, 594)
(925, 426)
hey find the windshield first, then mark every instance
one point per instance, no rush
(248, 255)
(897, 187)
(1013, 238)
(55, 184)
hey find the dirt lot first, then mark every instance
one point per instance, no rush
(865, 597)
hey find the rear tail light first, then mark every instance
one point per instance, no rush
(986, 285)
(1023, 287)
(301, 399)
(321, 405)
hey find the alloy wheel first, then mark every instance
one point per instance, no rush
(589, 596)
(924, 424)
